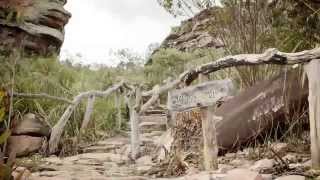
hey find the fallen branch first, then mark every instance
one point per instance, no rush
(57, 130)
(42, 95)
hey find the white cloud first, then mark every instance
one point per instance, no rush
(100, 25)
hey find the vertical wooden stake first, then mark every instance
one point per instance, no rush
(313, 72)
(134, 119)
(117, 99)
(87, 115)
(210, 145)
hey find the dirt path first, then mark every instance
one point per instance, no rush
(108, 159)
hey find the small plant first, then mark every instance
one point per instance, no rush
(5, 168)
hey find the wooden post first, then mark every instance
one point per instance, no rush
(313, 72)
(87, 115)
(117, 99)
(210, 145)
(135, 132)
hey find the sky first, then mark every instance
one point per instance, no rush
(98, 26)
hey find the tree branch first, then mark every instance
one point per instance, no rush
(271, 56)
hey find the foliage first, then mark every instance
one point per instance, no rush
(62, 79)
(169, 63)
(186, 8)
(253, 26)
(5, 169)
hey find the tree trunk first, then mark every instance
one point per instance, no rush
(313, 72)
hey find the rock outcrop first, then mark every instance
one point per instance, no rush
(258, 109)
(24, 145)
(30, 125)
(28, 135)
(36, 26)
(194, 33)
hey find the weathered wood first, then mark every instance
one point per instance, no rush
(135, 132)
(205, 94)
(135, 138)
(117, 100)
(58, 128)
(271, 56)
(152, 100)
(88, 113)
(313, 72)
(210, 145)
(133, 101)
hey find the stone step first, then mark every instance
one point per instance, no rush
(101, 149)
(155, 112)
(154, 118)
(153, 134)
(148, 127)
(109, 145)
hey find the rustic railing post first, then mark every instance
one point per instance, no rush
(210, 145)
(134, 120)
(117, 99)
(313, 72)
(89, 111)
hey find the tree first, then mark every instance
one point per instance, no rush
(252, 26)
(128, 59)
(186, 7)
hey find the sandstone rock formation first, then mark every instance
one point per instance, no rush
(24, 145)
(36, 26)
(28, 135)
(194, 33)
(30, 125)
(259, 109)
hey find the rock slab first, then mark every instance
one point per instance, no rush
(24, 145)
(30, 124)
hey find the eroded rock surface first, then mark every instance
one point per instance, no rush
(24, 145)
(37, 26)
(31, 125)
(193, 33)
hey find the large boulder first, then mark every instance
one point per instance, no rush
(37, 26)
(31, 125)
(24, 145)
(258, 109)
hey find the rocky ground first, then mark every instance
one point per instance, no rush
(109, 160)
